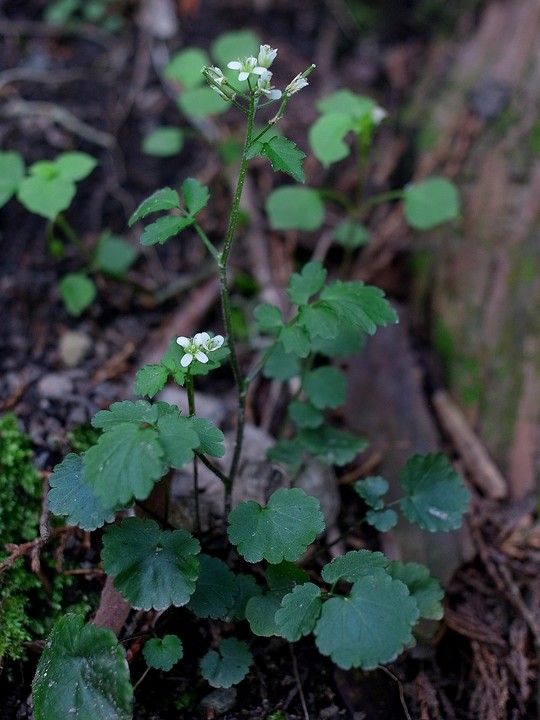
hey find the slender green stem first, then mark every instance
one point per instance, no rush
(71, 234)
(207, 242)
(191, 409)
(381, 198)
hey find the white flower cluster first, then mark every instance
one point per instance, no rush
(253, 66)
(198, 347)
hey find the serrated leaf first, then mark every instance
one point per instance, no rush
(349, 339)
(368, 627)
(114, 255)
(151, 568)
(75, 166)
(299, 612)
(46, 196)
(295, 340)
(228, 666)
(286, 156)
(163, 653)
(331, 446)
(288, 452)
(163, 199)
(325, 387)
(82, 673)
(268, 318)
(321, 321)
(72, 497)
(280, 531)
(195, 195)
(305, 415)
(150, 379)
(210, 437)
(431, 203)
(214, 594)
(163, 141)
(12, 174)
(294, 208)
(164, 228)
(424, 588)
(77, 291)
(308, 282)
(436, 496)
(326, 137)
(139, 413)
(124, 464)
(363, 305)
(354, 565)
(371, 490)
(281, 365)
(382, 520)
(177, 437)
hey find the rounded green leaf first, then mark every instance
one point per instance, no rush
(46, 197)
(332, 446)
(305, 415)
(163, 141)
(151, 568)
(163, 653)
(215, 593)
(424, 588)
(368, 627)
(382, 520)
(164, 199)
(260, 613)
(185, 67)
(234, 45)
(200, 102)
(431, 203)
(229, 665)
(82, 673)
(308, 282)
(351, 234)
(11, 174)
(354, 565)
(325, 387)
(371, 489)
(299, 612)
(77, 291)
(75, 165)
(326, 137)
(114, 255)
(346, 102)
(436, 496)
(280, 531)
(294, 208)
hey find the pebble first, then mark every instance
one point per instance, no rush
(73, 347)
(55, 386)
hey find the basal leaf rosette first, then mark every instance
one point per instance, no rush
(151, 568)
(280, 531)
(82, 673)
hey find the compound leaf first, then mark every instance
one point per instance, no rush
(305, 415)
(354, 565)
(436, 496)
(164, 199)
(325, 387)
(268, 318)
(331, 446)
(281, 365)
(424, 588)
(215, 592)
(150, 379)
(280, 531)
(195, 195)
(82, 673)
(228, 665)
(210, 437)
(151, 568)
(164, 228)
(363, 305)
(71, 496)
(299, 612)
(163, 653)
(307, 282)
(295, 340)
(368, 627)
(285, 155)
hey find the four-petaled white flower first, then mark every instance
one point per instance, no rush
(266, 56)
(247, 66)
(198, 347)
(218, 82)
(264, 87)
(296, 84)
(378, 114)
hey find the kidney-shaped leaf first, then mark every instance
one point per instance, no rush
(424, 588)
(163, 653)
(371, 626)
(431, 203)
(299, 612)
(151, 568)
(229, 665)
(82, 673)
(354, 565)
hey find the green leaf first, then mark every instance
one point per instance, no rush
(325, 387)
(139, 413)
(150, 379)
(285, 576)
(355, 565)
(195, 195)
(431, 203)
(164, 228)
(348, 340)
(164, 199)
(214, 594)
(326, 137)
(424, 588)
(351, 234)
(331, 445)
(234, 45)
(268, 318)
(280, 531)
(321, 321)
(305, 415)
(436, 496)
(114, 255)
(163, 141)
(75, 165)
(299, 612)
(177, 437)
(210, 437)
(163, 653)
(285, 156)
(71, 496)
(288, 452)
(371, 490)
(82, 673)
(246, 587)
(363, 305)
(229, 665)
(151, 568)
(201, 102)
(382, 520)
(11, 175)
(185, 67)
(295, 340)
(281, 365)
(260, 613)
(309, 281)
(368, 627)
(77, 291)
(347, 102)
(46, 197)
(294, 208)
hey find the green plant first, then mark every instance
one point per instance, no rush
(47, 189)
(105, 13)
(82, 667)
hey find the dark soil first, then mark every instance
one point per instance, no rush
(480, 661)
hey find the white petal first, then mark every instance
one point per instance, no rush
(201, 357)
(234, 65)
(259, 70)
(243, 76)
(186, 360)
(218, 341)
(183, 341)
(201, 338)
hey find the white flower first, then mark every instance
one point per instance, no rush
(218, 82)
(247, 66)
(197, 347)
(266, 56)
(264, 87)
(378, 114)
(296, 84)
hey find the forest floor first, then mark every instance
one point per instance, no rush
(57, 370)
